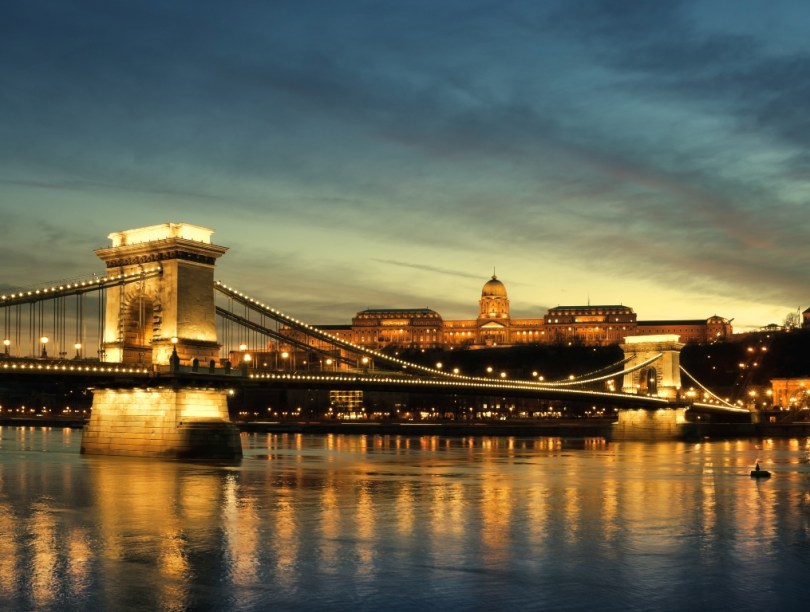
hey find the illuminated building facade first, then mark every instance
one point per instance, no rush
(692, 330)
(598, 325)
(589, 325)
(420, 327)
(791, 393)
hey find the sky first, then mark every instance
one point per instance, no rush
(385, 154)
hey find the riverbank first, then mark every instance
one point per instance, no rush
(580, 428)
(551, 428)
(46, 421)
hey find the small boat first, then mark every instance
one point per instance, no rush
(757, 473)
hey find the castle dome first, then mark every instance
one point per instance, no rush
(493, 288)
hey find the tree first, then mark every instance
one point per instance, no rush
(793, 320)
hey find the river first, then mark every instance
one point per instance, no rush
(345, 522)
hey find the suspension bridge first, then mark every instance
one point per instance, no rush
(161, 343)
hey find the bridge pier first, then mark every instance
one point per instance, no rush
(165, 422)
(650, 425)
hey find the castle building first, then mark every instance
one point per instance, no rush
(589, 325)
(692, 330)
(598, 325)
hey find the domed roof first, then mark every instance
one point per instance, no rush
(493, 288)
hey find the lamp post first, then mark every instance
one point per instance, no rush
(6, 345)
(246, 359)
(284, 356)
(329, 362)
(78, 347)
(44, 342)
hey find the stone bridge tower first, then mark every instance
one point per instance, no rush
(662, 378)
(148, 318)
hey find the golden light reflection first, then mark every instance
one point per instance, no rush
(364, 524)
(240, 525)
(496, 509)
(42, 528)
(286, 541)
(8, 549)
(708, 501)
(610, 509)
(329, 522)
(571, 512)
(79, 557)
(353, 508)
(405, 510)
(537, 507)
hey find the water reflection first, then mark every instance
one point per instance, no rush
(371, 521)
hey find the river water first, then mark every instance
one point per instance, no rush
(344, 522)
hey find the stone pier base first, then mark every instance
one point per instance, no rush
(662, 424)
(161, 422)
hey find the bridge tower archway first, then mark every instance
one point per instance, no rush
(648, 381)
(140, 323)
(663, 376)
(172, 300)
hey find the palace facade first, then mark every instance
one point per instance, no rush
(423, 328)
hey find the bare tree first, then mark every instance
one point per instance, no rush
(793, 320)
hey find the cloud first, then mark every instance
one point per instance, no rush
(427, 268)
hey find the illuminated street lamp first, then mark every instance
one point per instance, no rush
(44, 342)
(284, 356)
(6, 344)
(329, 362)
(78, 347)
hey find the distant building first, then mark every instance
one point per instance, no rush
(806, 318)
(589, 325)
(420, 327)
(598, 325)
(692, 330)
(791, 392)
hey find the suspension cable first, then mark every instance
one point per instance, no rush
(707, 391)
